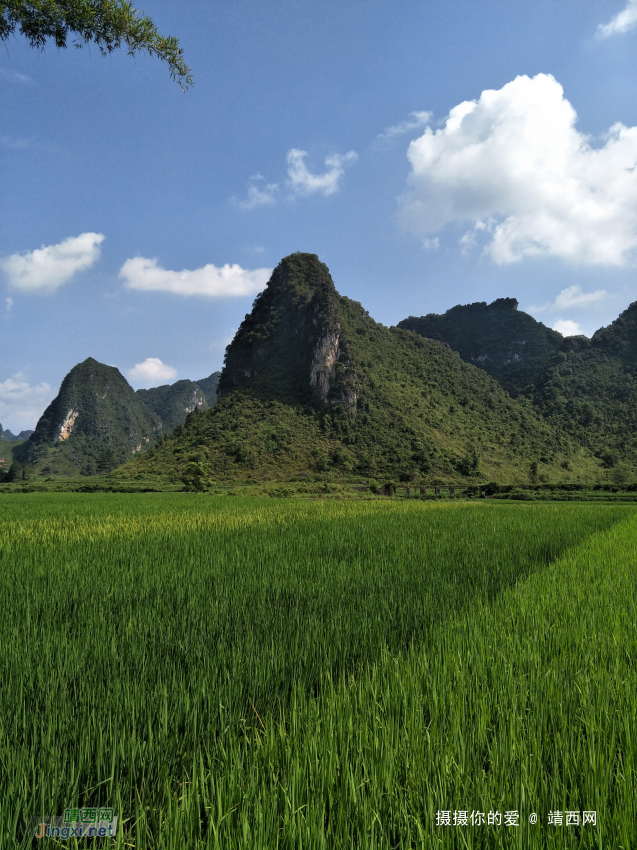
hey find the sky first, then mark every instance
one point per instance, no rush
(432, 153)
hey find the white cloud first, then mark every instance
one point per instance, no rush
(431, 244)
(566, 327)
(259, 196)
(416, 119)
(48, 267)
(21, 405)
(152, 372)
(622, 22)
(15, 77)
(8, 304)
(514, 159)
(211, 281)
(569, 298)
(302, 182)
(574, 297)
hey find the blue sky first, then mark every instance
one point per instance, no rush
(431, 153)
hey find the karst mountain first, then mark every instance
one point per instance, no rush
(97, 421)
(313, 385)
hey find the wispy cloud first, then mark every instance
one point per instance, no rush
(9, 76)
(152, 372)
(48, 267)
(210, 280)
(301, 181)
(259, 194)
(570, 298)
(622, 22)
(15, 144)
(415, 120)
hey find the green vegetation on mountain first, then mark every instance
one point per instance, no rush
(313, 385)
(172, 402)
(508, 344)
(97, 421)
(589, 390)
(96, 411)
(209, 387)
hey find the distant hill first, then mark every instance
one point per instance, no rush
(8, 437)
(173, 402)
(97, 421)
(209, 387)
(508, 344)
(312, 384)
(95, 411)
(589, 389)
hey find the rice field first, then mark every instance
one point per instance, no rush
(263, 673)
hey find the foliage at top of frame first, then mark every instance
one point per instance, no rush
(106, 23)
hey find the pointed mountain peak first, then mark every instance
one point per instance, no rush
(95, 410)
(620, 337)
(291, 347)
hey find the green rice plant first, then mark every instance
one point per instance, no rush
(253, 673)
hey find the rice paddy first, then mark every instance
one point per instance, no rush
(262, 673)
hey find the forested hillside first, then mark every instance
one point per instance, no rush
(312, 384)
(507, 343)
(589, 390)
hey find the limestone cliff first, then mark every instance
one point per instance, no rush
(292, 346)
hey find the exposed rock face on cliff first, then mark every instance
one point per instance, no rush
(292, 347)
(66, 428)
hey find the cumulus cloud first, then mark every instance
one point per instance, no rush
(416, 119)
(301, 180)
(259, 195)
(152, 372)
(622, 22)
(571, 297)
(566, 327)
(48, 267)
(513, 164)
(21, 404)
(211, 281)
